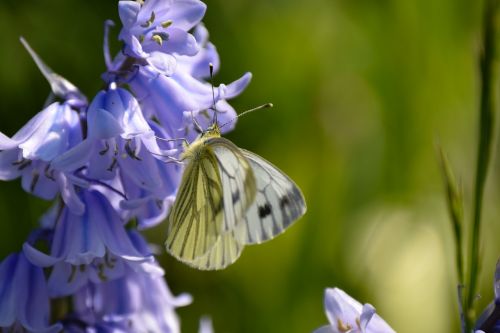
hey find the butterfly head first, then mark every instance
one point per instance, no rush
(212, 131)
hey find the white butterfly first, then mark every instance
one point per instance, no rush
(228, 197)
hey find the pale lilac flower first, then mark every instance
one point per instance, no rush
(206, 325)
(489, 321)
(24, 300)
(345, 314)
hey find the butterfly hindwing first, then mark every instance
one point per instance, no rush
(196, 216)
(225, 251)
(277, 204)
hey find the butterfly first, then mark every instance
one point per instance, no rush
(228, 197)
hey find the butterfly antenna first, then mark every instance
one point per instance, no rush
(197, 125)
(265, 106)
(211, 67)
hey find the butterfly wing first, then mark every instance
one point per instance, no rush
(225, 251)
(238, 181)
(278, 202)
(196, 216)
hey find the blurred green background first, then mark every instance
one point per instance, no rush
(362, 91)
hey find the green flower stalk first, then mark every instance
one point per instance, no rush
(489, 91)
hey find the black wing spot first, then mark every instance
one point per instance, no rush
(236, 196)
(264, 210)
(284, 201)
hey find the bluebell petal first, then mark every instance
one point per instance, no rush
(128, 11)
(42, 118)
(179, 42)
(52, 137)
(326, 329)
(163, 63)
(74, 158)
(69, 195)
(102, 125)
(133, 47)
(37, 257)
(9, 167)
(32, 297)
(66, 279)
(185, 14)
(35, 181)
(366, 315)
(235, 88)
(77, 239)
(7, 291)
(6, 142)
(200, 67)
(339, 305)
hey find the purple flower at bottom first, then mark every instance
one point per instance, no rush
(345, 314)
(24, 300)
(138, 302)
(489, 321)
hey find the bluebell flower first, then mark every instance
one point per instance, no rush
(24, 300)
(93, 246)
(138, 301)
(489, 321)
(53, 131)
(30, 152)
(116, 128)
(157, 29)
(345, 314)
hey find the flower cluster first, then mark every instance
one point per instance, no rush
(111, 167)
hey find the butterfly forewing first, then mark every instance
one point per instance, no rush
(196, 217)
(277, 204)
(238, 181)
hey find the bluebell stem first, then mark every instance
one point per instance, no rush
(106, 164)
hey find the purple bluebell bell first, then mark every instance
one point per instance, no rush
(24, 300)
(139, 301)
(93, 246)
(30, 152)
(345, 314)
